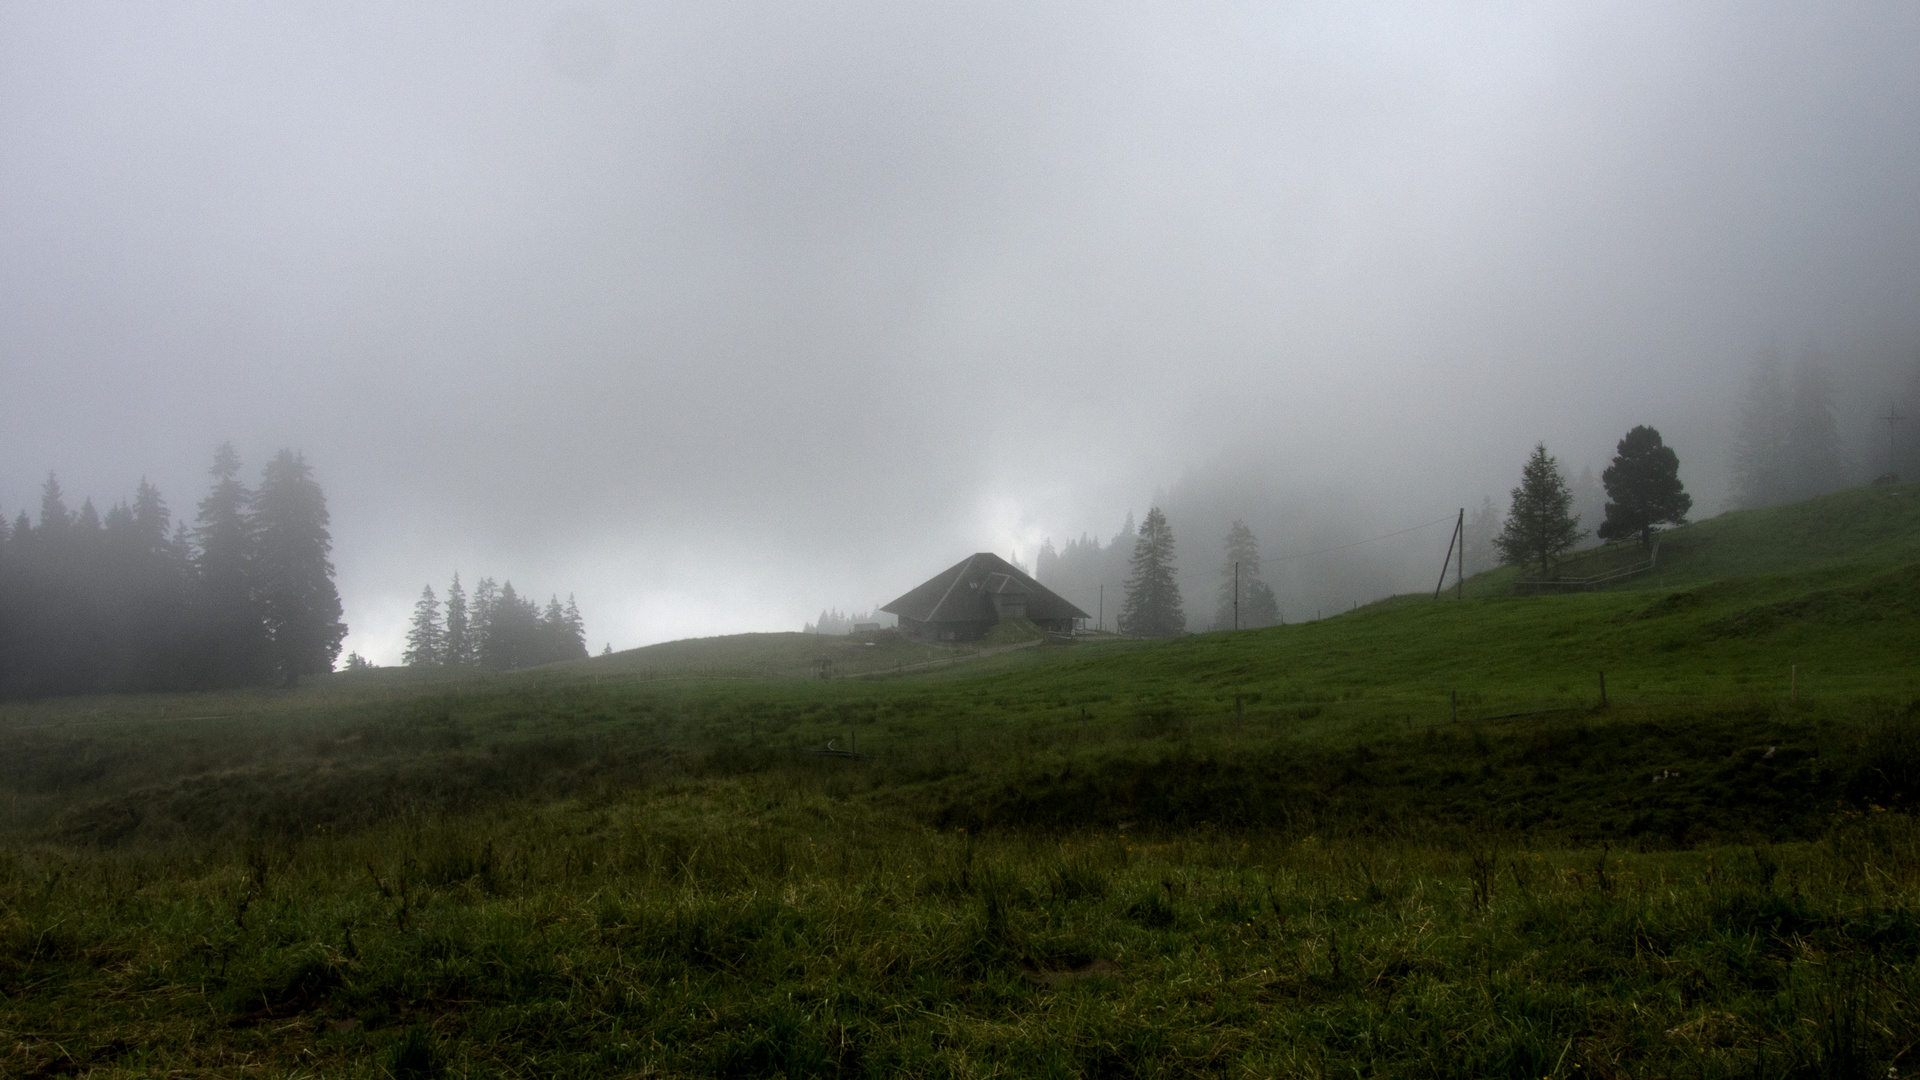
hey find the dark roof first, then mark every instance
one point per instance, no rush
(962, 593)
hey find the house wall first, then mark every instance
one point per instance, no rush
(944, 631)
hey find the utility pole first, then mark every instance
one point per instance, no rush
(1236, 597)
(1459, 540)
(1460, 568)
(1103, 608)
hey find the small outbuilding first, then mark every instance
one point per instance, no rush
(967, 599)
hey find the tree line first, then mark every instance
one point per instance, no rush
(1642, 492)
(835, 621)
(498, 629)
(1149, 603)
(132, 600)
(1787, 443)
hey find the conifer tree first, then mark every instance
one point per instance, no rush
(1643, 488)
(55, 518)
(229, 640)
(1540, 525)
(459, 644)
(1786, 442)
(486, 595)
(1816, 463)
(505, 644)
(1760, 435)
(576, 637)
(1152, 606)
(299, 606)
(427, 639)
(553, 633)
(145, 572)
(1257, 605)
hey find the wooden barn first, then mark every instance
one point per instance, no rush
(964, 601)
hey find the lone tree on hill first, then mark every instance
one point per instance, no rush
(1643, 488)
(1152, 607)
(1540, 525)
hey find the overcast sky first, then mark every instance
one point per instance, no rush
(717, 314)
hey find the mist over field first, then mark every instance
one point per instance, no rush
(715, 316)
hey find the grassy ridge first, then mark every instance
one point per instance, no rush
(1878, 526)
(1405, 841)
(1397, 711)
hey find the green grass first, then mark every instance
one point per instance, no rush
(759, 928)
(1878, 525)
(778, 655)
(1405, 841)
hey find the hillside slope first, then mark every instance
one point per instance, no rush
(1800, 659)
(1406, 841)
(1877, 525)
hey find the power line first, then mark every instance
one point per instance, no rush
(1368, 540)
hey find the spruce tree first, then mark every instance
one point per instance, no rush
(512, 627)
(229, 638)
(1816, 463)
(55, 518)
(1257, 605)
(299, 606)
(486, 596)
(1152, 606)
(1786, 442)
(459, 645)
(1643, 488)
(427, 639)
(553, 633)
(575, 644)
(1539, 526)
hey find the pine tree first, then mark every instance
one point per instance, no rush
(1643, 488)
(1786, 443)
(1815, 463)
(486, 596)
(427, 640)
(575, 642)
(1257, 606)
(1152, 607)
(55, 518)
(229, 639)
(299, 606)
(1539, 526)
(459, 645)
(553, 633)
(145, 578)
(513, 631)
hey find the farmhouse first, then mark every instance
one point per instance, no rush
(964, 601)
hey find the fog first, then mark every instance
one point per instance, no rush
(717, 315)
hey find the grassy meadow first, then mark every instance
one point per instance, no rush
(1407, 841)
